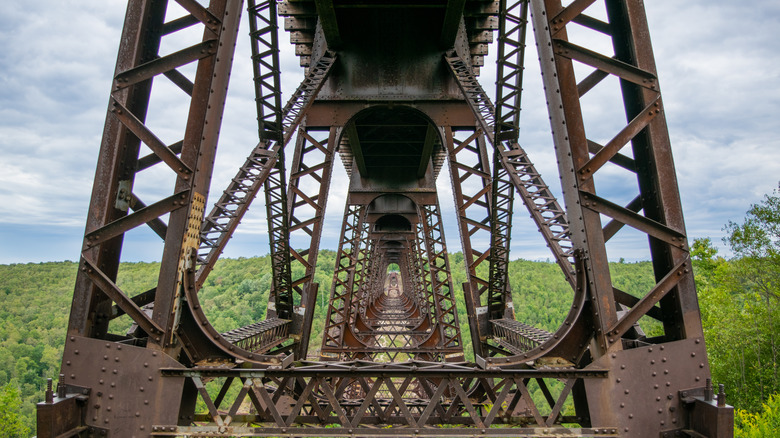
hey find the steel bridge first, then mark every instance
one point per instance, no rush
(390, 87)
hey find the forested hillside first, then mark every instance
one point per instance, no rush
(738, 299)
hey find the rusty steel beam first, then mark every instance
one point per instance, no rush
(647, 135)
(499, 300)
(512, 31)
(221, 222)
(512, 168)
(340, 303)
(441, 280)
(116, 163)
(264, 38)
(470, 174)
(393, 399)
(312, 166)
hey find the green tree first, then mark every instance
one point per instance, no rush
(756, 243)
(739, 305)
(760, 425)
(11, 421)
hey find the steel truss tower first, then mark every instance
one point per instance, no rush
(391, 88)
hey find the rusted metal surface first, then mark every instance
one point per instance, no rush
(395, 95)
(260, 336)
(223, 219)
(120, 387)
(415, 397)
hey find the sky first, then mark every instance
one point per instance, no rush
(718, 65)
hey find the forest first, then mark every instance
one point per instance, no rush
(738, 298)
